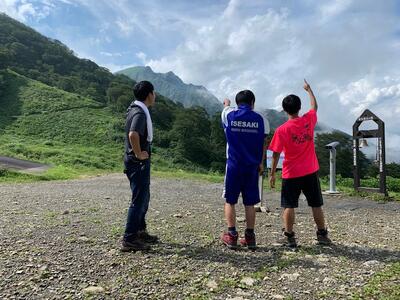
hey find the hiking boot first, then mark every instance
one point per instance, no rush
(249, 241)
(322, 237)
(134, 244)
(230, 240)
(147, 238)
(288, 240)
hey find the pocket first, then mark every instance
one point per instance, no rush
(133, 168)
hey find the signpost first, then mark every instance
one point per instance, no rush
(379, 133)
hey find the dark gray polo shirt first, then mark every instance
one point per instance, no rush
(136, 121)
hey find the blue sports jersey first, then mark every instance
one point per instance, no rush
(245, 132)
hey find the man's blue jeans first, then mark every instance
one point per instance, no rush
(138, 174)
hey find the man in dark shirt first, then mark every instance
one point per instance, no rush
(138, 137)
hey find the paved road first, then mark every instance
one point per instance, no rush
(19, 164)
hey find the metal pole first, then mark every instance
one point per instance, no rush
(332, 168)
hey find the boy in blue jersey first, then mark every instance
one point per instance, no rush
(245, 132)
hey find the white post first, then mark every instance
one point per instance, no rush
(332, 168)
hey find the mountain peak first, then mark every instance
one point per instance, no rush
(171, 86)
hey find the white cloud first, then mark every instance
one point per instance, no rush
(109, 54)
(333, 8)
(142, 56)
(23, 9)
(348, 50)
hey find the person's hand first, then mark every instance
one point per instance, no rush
(261, 169)
(306, 86)
(227, 102)
(143, 155)
(272, 181)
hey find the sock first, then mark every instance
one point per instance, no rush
(249, 231)
(322, 231)
(232, 230)
(289, 234)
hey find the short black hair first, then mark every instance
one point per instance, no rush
(245, 97)
(142, 89)
(291, 104)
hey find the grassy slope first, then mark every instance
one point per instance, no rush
(73, 133)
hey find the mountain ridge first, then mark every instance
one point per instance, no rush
(173, 87)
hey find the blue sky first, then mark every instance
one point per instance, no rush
(349, 50)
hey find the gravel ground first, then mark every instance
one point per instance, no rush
(60, 240)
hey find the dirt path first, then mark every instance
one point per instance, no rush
(59, 238)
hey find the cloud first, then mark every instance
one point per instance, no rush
(22, 9)
(108, 54)
(142, 56)
(333, 8)
(348, 50)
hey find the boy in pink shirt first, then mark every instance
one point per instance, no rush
(295, 139)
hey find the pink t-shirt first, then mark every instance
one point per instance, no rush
(295, 139)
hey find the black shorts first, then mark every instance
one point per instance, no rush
(309, 185)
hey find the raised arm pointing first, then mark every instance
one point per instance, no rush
(313, 101)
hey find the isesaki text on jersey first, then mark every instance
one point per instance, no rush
(245, 131)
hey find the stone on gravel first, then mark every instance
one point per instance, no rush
(248, 281)
(290, 277)
(212, 285)
(241, 219)
(371, 263)
(93, 290)
(277, 296)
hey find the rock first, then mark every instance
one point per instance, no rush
(277, 296)
(179, 216)
(83, 239)
(371, 263)
(243, 293)
(248, 281)
(43, 268)
(291, 277)
(93, 290)
(65, 212)
(241, 219)
(212, 285)
(328, 280)
(322, 259)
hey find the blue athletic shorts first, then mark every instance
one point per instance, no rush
(241, 180)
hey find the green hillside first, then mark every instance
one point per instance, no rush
(49, 125)
(81, 136)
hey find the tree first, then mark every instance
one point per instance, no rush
(190, 136)
(2, 84)
(393, 170)
(218, 144)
